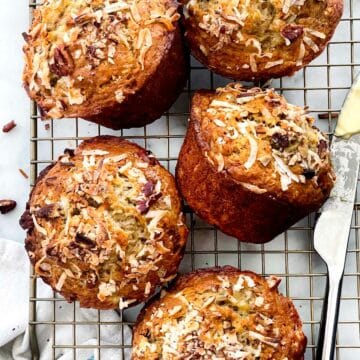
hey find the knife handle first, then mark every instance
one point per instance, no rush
(330, 314)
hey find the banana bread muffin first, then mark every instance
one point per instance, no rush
(255, 39)
(251, 163)
(220, 313)
(119, 63)
(105, 225)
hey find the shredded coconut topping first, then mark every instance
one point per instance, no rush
(254, 128)
(227, 317)
(232, 23)
(71, 41)
(110, 215)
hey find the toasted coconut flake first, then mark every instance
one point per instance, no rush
(264, 339)
(220, 162)
(106, 289)
(119, 96)
(271, 64)
(316, 33)
(123, 304)
(115, 159)
(147, 288)
(308, 41)
(252, 62)
(239, 284)
(259, 301)
(38, 228)
(95, 152)
(61, 281)
(253, 146)
(175, 310)
(301, 55)
(144, 43)
(208, 302)
(286, 175)
(253, 188)
(219, 123)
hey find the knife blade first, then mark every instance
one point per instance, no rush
(332, 233)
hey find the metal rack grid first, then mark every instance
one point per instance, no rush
(322, 86)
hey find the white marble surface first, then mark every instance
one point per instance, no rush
(14, 105)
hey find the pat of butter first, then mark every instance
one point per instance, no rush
(349, 120)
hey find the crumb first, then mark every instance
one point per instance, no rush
(24, 174)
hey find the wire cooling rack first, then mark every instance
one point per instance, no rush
(322, 87)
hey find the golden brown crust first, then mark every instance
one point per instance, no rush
(251, 200)
(220, 313)
(256, 40)
(105, 225)
(100, 60)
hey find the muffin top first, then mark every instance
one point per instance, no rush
(265, 37)
(220, 313)
(105, 224)
(92, 52)
(262, 141)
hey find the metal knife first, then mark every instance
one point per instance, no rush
(332, 233)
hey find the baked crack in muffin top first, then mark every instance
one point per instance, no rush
(267, 38)
(93, 51)
(250, 130)
(105, 224)
(220, 313)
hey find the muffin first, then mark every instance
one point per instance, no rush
(255, 40)
(104, 224)
(119, 63)
(252, 164)
(220, 313)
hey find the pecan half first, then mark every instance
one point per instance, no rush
(6, 206)
(83, 239)
(9, 126)
(63, 62)
(292, 31)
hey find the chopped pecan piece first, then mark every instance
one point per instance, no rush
(309, 174)
(26, 37)
(26, 221)
(9, 126)
(279, 141)
(6, 206)
(63, 62)
(292, 31)
(48, 212)
(148, 188)
(322, 147)
(70, 152)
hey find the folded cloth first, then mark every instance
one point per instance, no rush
(14, 307)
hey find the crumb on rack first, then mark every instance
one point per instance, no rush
(23, 173)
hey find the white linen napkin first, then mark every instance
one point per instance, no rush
(14, 307)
